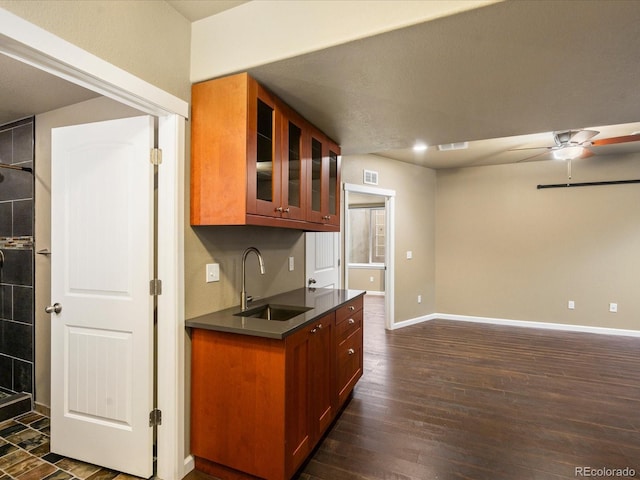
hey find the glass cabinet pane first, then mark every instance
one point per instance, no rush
(333, 182)
(316, 175)
(295, 164)
(264, 167)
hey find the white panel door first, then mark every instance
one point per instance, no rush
(102, 262)
(322, 251)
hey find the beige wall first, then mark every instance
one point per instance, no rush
(90, 111)
(147, 38)
(414, 228)
(369, 279)
(507, 250)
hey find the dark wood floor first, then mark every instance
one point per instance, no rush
(451, 400)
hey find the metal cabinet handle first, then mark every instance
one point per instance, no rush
(314, 330)
(327, 217)
(278, 209)
(286, 210)
(352, 308)
(351, 321)
(55, 308)
(351, 351)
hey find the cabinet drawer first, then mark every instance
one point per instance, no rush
(348, 309)
(346, 328)
(349, 368)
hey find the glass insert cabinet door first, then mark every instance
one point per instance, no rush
(293, 170)
(325, 181)
(263, 161)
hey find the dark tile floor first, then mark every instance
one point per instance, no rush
(25, 455)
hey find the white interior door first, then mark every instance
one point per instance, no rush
(322, 251)
(102, 263)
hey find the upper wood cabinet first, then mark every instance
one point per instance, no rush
(252, 160)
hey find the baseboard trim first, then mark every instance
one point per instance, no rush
(375, 292)
(189, 464)
(518, 323)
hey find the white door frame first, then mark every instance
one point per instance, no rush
(389, 249)
(31, 44)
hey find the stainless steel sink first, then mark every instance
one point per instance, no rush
(273, 312)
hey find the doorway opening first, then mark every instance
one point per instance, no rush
(369, 243)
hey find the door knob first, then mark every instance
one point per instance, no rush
(55, 308)
(312, 281)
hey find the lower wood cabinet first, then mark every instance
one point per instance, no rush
(259, 406)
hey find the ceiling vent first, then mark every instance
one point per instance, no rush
(446, 147)
(370, 177)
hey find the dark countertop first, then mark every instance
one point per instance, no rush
(320, 301)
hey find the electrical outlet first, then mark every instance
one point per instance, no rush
(291, 264)
(571, 305)
(613, 307)
(371, 279)
(419, 298)
(409, 254)
(213, 272)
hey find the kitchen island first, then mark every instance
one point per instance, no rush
(264, 391)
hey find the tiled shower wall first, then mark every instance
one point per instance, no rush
(16, 243)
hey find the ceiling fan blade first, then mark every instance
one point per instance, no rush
(582, 136)
(527, 159)
(613, 140)
(529, 148)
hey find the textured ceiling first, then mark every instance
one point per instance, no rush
(507, 69)
(194, 10)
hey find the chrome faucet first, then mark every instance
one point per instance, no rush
(243, 292)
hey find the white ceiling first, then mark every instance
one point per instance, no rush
(512, 71)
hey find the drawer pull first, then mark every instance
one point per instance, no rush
(351, 351)
(352, 308)
(351, 321)
(316, 328)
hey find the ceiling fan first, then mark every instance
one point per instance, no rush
(572, 144)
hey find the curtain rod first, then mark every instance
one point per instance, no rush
(587, 184)
(16, 167)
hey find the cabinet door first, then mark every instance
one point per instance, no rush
(322, 374)
(324, 181)
(263, 153)
(297, 399)
(293, 189)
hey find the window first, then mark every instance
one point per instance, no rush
(367, 235)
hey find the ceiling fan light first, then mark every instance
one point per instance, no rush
(568, 153)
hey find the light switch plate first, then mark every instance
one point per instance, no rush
(409, 254)
(213, 272)
(291, 263)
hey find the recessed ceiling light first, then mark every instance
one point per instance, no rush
(420, 147)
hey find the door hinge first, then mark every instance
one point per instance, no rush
(156, 156)
(155, 287)
(155, 417)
